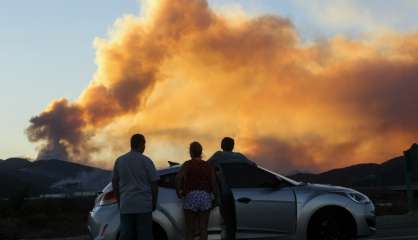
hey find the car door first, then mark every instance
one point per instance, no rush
(172, 207)
(265, 205)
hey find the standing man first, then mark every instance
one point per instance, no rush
(226, 197)
(135, 184)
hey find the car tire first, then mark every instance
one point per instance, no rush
(329, 226)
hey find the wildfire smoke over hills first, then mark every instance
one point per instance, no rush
(183, 72)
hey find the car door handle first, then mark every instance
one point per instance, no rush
(244, 200)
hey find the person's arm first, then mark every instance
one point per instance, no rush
(215, 186)
(180, 181)
(115, 182)
(154, 191)
(153, 178)
(214, 158)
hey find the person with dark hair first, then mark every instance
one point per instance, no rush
(226, 198)
(227, 144)
(227, 155)
(195, 185)
(134, 182)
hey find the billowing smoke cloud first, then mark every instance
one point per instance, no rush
(183, 72)
(61, 126)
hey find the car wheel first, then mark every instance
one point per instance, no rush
(328, 226)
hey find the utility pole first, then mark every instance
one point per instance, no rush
(411, 169)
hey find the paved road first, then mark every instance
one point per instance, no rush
(85, 237)
(403, 227)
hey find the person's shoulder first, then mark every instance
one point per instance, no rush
(240, 155)
(207, 164)
(121, 161)
(122, 157)
(218, 153)
(187, 162)
(215, 156)
(146, 158)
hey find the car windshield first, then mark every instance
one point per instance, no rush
(289, 180)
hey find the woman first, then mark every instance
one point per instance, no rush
(195, 185)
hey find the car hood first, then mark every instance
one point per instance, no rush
(328, 188)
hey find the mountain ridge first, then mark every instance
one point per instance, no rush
(58, 176)
(49, 176)
(388, 173)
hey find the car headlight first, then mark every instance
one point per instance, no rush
(357, 197)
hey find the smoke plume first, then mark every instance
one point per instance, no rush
(183, 72)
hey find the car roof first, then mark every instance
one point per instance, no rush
(176, 168)
(161, 171)
(168, 170)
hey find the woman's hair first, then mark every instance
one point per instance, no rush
(195, 149)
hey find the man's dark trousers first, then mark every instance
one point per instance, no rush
(227, 206)
(136, 226)
(228, 213)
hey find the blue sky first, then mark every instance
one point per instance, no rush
(46, 52)
(46, 49)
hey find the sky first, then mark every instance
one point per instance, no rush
(47, 50)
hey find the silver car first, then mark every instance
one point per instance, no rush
(268, 205)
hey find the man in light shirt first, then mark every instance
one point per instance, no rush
(135, 184)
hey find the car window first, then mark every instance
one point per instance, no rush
(248, 176)
(168, 180)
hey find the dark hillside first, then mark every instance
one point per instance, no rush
(389, 173)
(49, 176)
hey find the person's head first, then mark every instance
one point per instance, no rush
(227, 144)
(195, 150)
(138, 143)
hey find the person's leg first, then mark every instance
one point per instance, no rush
(226, 207)
(203, 219)
(127, 227)
(190, 220)
(229, 216)
(233, 217)
(195, 219)
(144, 226)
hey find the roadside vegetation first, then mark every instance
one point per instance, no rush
(43, 218)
